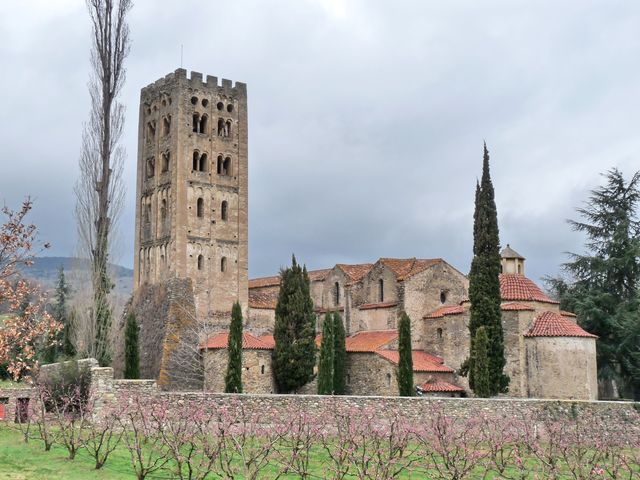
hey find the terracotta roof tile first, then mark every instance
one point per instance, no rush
(371, 306)
(446, 310)
(551, 324)
(422, 361)
(314, 276)
(263, 298)
(370, 341)
(404, 268)
(440, 387)
(268, 340)
(510, 307)
(355, 272)
(249, 342)
(518, 287)
(567, 314)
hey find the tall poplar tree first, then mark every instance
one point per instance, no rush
(339, 356)
(294, 355)
(325, 365)
(484, 284)
(233, 378)
(131, 348)
(405, 362)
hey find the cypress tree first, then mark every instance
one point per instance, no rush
(481, 373)
(405, 362)
(68, 347)
(325, 365)
(339, 355)
(233, 378)
(63, 340)
(484, 284)
(131, 348)
(294, 355)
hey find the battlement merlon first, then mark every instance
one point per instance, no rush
(195, 81)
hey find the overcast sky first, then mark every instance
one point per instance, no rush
(366, 117)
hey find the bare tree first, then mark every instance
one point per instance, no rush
(100, 189)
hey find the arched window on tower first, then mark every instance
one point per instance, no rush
(222, 130)
(223, 264)
(200, 262)
(381, 290)
(165, 161)
(228, 129)
(196, 157)
(203, 124)
(163, 210)
(226, 166)
(166, 125)
(151, 130)
(202, 163)
(220, 162)
(336, 293)
(151, 167)
(195, 123)
(224, 210)
(200, 208)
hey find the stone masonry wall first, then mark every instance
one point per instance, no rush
(271, 408)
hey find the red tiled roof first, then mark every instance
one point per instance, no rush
(314, 276)
(510, 307)
(422, 361)
(404, 268)
(264, 282)
(371, 306)
(440, 387)
(355, 272)
(263, 298)
(268, 340)
(518, 287)
(249, 342)
(551, 324)
(567, 314)
(444, 311)
(370, 341)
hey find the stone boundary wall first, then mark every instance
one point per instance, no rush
(270, 407)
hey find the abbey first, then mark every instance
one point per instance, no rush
(191, 264)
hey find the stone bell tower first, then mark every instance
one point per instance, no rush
(191, 197)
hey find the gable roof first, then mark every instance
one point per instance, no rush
(404, 268)
(551, 324)
(356, 272)
(422, 361)
(370, 341)
(514, 286)
(314, 276)
(221, 340)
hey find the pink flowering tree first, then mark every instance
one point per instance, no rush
(26, 324)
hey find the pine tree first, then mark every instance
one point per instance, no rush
(294, 355)
(484, 284)
(131, 348)
(339, 356)
(325, 365)
(405, 362)
(605, 293)
(481, 364)
(63, 343)
(233, 378)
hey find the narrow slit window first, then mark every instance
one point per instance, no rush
(381, 290)
(200, 208)
(223, 264)
(224, 211)
(336, 294)
(200, 262)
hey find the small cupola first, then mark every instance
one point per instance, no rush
(511, 261)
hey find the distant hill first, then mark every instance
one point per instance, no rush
(45, 271)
